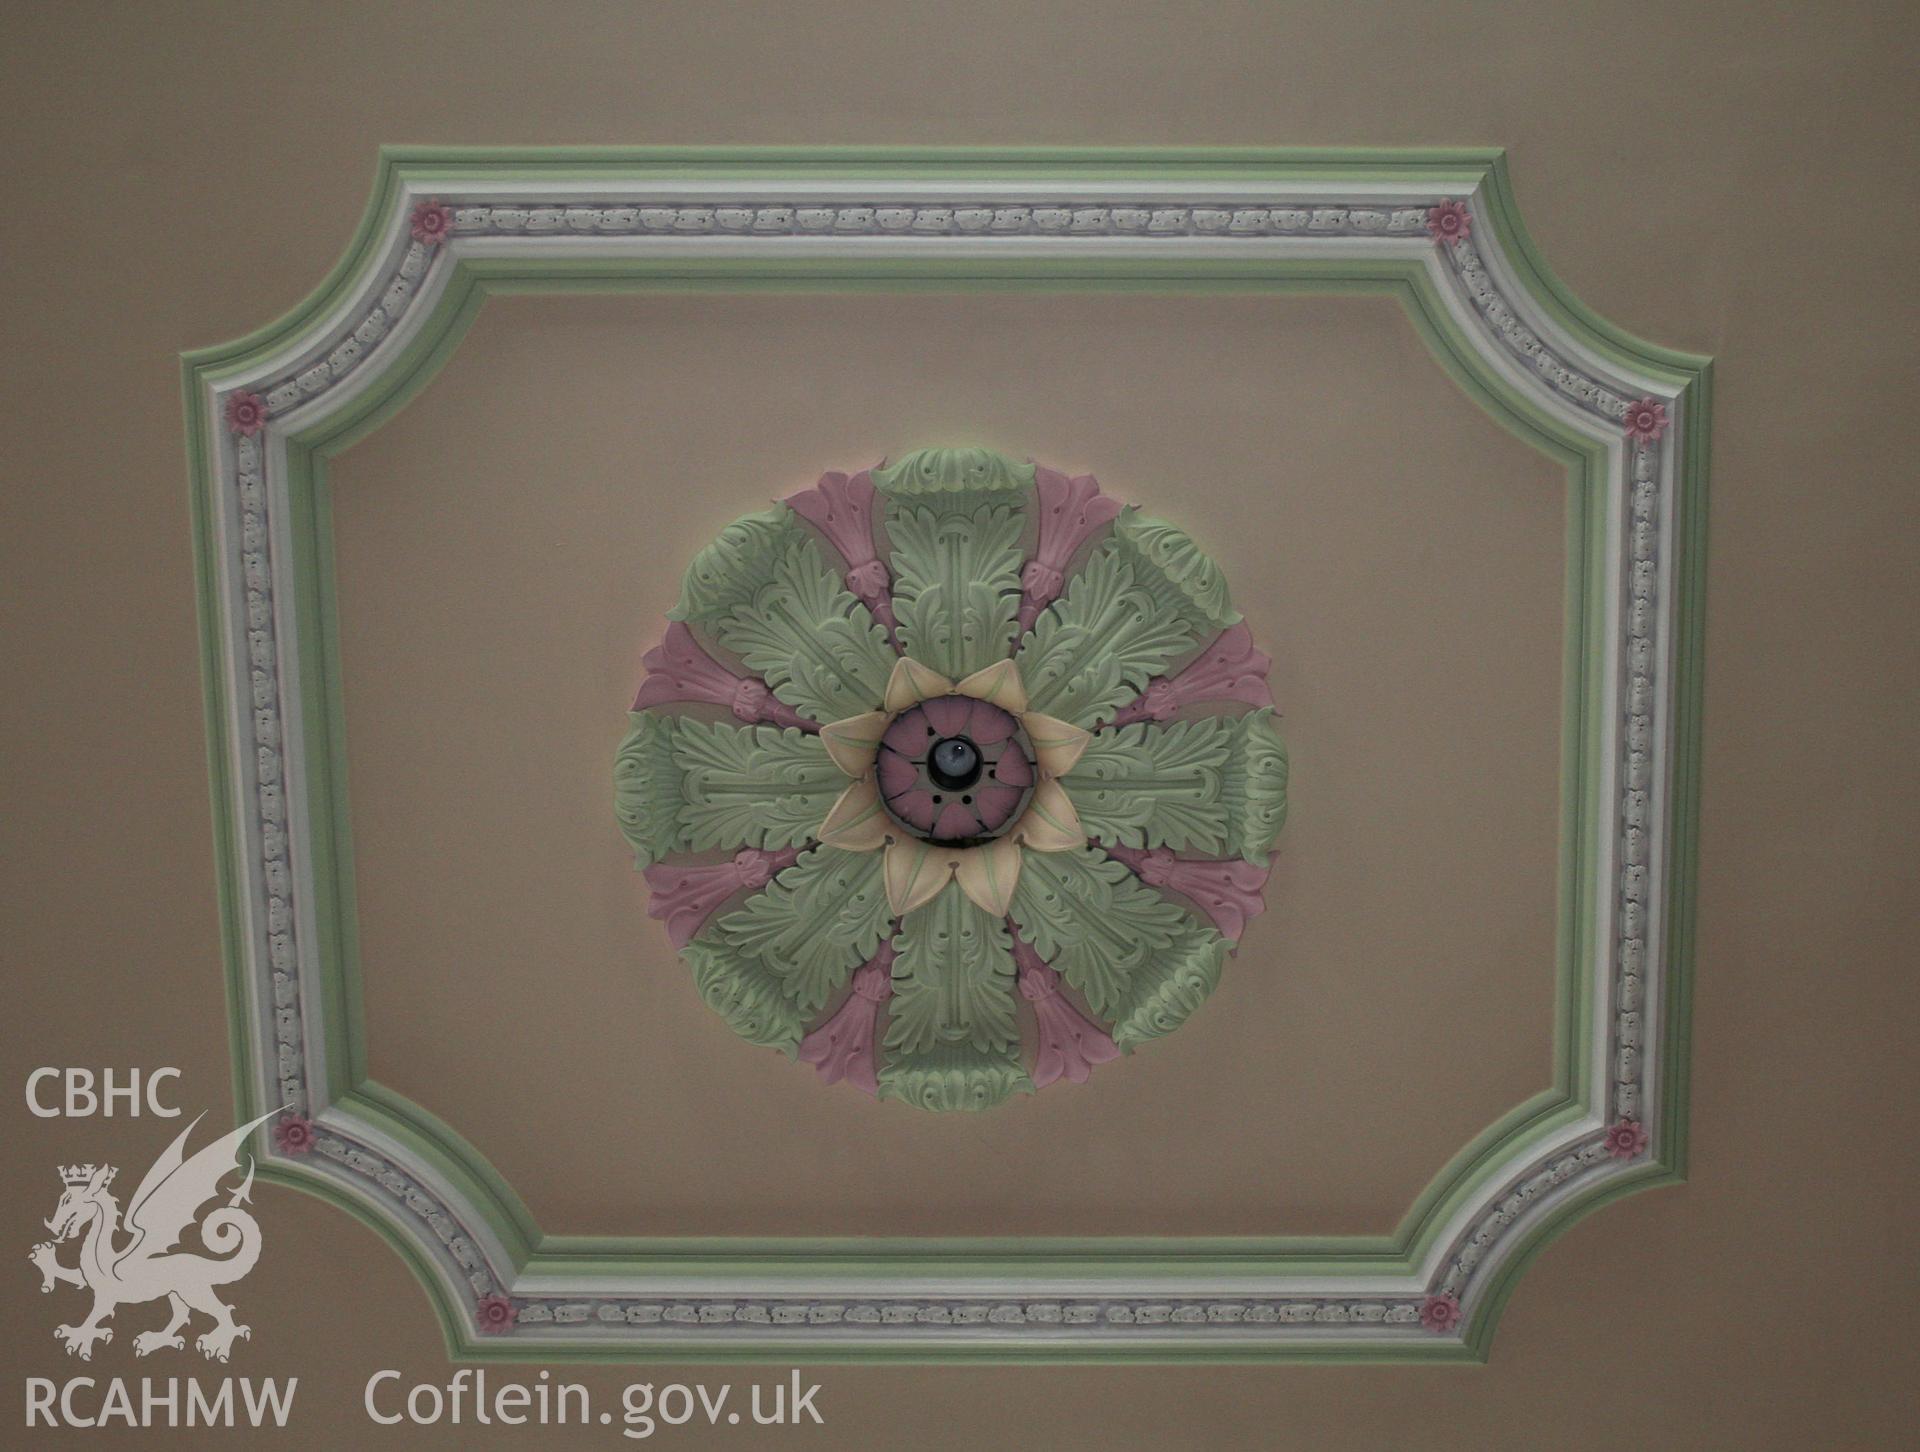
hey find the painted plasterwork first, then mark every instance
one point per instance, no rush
(921, 776)
(1436, 230)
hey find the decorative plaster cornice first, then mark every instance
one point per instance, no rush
(258, 409)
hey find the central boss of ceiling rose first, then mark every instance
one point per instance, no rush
(1027, 758)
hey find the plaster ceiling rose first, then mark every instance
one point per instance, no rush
(953, 786)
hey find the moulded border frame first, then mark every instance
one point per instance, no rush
(722, 219)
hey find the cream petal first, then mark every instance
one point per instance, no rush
(857, 822)
(915, 873)
(988, 874)
(1050, 824)
(999, 683)
(1057, 744)
(912, 682)
(854, 742)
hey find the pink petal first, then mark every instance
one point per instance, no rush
(957, 820)
(1014, 770)
(908, 733)
(987, 724)
(994, 803)
(948, 715)
(914, 808)
(897, 774)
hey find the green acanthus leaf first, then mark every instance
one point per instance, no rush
(1256, 786)
(765, 594)
(739, 987)
(1156, 786)
(1146, 597)
(1168, 553)
(953, 980)
(752, 786)
(1096, 923)
(646, 788)
(814, 924)
(955, 479)
(947, 1076)
(728, 572)
(1096, 647)
(956, 583)
(1171, 986)
(681, 785)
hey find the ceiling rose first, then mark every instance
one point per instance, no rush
(942, 744)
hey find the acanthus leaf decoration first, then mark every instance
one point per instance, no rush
(1228, 670)
(767, 596)
(1255, 786)
(1172, 985)
(1137, 959)
(844, 1045)
(1092, 920)
(683, 785)
(1070, 512)
(929, 837)
(1228, 892)
(946, 978)
(750, 998)
(685, 897)
(951, 1036)
(646, 788)
(1157, 786)
(1180, 564)
(1070, 1043)
(1145, 598)
(955, 478)
(956, 582)
(840, 506)
(680, 670)
(946, 1077)
(814, 923)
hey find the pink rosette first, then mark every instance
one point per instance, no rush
(293, 1133)
(246, 413)
(1449, 221)
(493, 1315)
(432, 223)
(1626, 1138)
(1645, 420)
(1440, 1314)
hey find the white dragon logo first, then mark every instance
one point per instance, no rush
(145, 1266)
